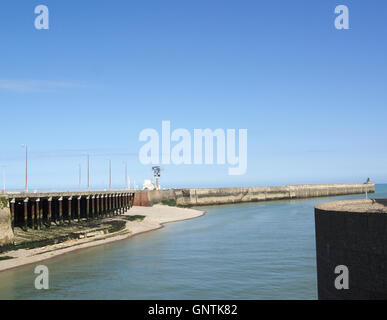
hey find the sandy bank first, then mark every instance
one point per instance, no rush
(155, 217)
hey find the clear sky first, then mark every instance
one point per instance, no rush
(313, 98)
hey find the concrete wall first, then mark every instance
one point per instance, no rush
(151, 197)
(141, 199)
(216, 196)
(202, 197)
(6, 233)
(237, 195)
(354, 234)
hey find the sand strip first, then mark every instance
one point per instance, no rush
(154, 219)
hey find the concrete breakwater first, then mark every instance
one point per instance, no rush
(217, 196)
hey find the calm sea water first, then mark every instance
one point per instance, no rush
(251, 251)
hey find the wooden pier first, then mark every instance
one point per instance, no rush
(38, 210)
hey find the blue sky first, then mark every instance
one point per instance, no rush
(313, 98)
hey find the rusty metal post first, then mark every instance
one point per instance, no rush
(110, 205)
(38, 214)
(121, 204)
(60, 204)
(102, 205)
(69, 214)
(12, 205)
(79, 208)
(49, 214)
(93, 207)
(114, 204)
(127, 201)
(113, 198)
(106, 205)
(97, 198)
(25, 214)
(87, 207)
(32, 215)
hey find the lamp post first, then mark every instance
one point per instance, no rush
(79, 177)
(26, 147)
(156, 173)
(3, 169)
(110, 174)
(88, 172)
(126, 174)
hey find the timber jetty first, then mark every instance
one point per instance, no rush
(35, 211)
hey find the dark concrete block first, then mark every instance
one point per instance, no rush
(357, 240)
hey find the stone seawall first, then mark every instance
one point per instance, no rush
(217, 196)
(6, 233)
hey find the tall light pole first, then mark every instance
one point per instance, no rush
(79, 177)
(156, 173)
(26, 147)
(3, 169)
(88, 172)
(110, 174)
(126, 174)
